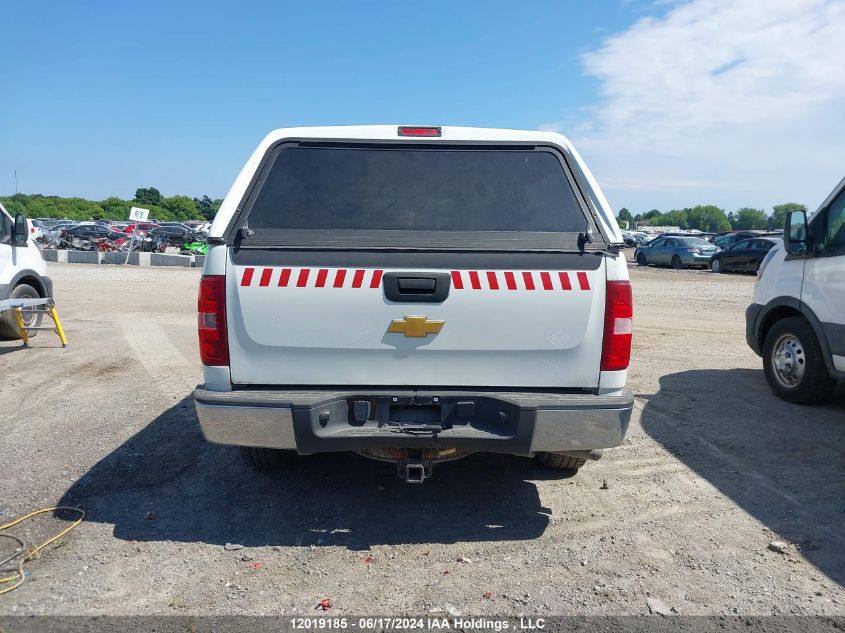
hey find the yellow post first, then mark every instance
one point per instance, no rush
(59, 330)
(21, 326)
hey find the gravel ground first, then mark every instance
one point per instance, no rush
(714, 469)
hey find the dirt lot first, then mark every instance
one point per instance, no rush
(714, 469)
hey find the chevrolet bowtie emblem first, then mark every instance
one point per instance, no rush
(418, 326)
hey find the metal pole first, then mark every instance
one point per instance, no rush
(16, 182)
(131, 244)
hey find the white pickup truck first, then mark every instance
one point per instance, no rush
(415, 294)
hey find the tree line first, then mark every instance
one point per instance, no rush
(165, 208)
(712, 219)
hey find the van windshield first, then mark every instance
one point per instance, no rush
(350, 190)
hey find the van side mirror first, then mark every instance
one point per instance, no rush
(20, 233)
(795, 233)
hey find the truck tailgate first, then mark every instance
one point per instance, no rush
(306, 325)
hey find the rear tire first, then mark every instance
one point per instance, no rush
(677, 264)
(266, 459)
(641, 260)
(793, 363)
(8, 323)
(558, 461)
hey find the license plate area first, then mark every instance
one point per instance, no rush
(415, 414)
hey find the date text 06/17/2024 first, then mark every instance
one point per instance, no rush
(415, 624)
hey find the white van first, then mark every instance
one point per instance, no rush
(797, 319)
(415, 294)
(23, 272)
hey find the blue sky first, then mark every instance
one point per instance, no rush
(102, 98)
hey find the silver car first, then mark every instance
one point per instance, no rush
(677, 252)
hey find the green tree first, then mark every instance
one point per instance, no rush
(148, 196)
(205, 206)
(180, 208)
(750, 218)
(708, 218)
(675, 217)
(779, 211)
(115, 208)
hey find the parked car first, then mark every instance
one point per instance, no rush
(426, 320)
(142, 227)
(35, 231)
(175, 234)
(23, 272)
(744, 256)
(676, 252)
(724, 240)
(796, 320)
(634, 238)
(51, 231)
(91, 231)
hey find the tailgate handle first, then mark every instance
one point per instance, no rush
(417, 287)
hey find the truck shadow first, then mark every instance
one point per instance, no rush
(200, 492)
(782, 463)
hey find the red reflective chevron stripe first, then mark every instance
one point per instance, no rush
(564, 281)
(583, 281)
(492, 281)
(284, 278)
(321, 277)
(303, 277)
(363, 278)
(473, 280)
(528, 278)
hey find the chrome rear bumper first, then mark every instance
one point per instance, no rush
(519, 423)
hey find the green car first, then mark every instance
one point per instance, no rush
(676, 252)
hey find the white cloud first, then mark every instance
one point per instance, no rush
(734, 102)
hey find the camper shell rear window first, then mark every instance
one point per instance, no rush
(399, 195)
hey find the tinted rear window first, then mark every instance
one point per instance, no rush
(415, 189)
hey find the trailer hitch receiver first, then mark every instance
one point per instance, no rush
(414, 472)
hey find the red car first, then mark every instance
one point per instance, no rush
(142, 227)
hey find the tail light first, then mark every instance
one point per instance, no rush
(618, 326)
(211, 321)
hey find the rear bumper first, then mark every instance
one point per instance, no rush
(309, 422)
(696, 259)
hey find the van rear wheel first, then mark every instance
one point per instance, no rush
(677, 264)
(793, 363)
(559, 461)
(266, 459)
